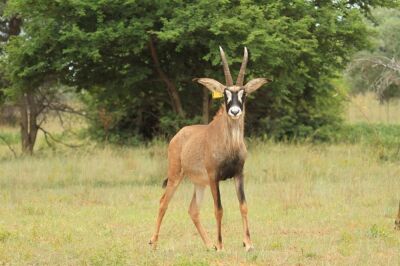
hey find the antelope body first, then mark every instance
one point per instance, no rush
(208, 154)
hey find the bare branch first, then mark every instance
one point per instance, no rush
(9, 146)
(380, 72)
(60, 118)
(48, 134)
(60, 107)
(47, 139)
(375, 61)
(171, 87)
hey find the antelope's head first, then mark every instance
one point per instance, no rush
(234, 95)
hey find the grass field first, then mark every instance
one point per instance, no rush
(309, 204)
(365, 108)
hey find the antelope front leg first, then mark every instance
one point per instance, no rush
(214, 185)
(243, 210)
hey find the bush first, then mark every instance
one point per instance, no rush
(388, 135)
(171, 123)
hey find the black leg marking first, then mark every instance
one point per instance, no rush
(242, 197)
(247, 233)
(219, 204)
(164, 185)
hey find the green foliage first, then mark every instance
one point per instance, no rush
(370, 134)
(383, 138)
(171, 123)
(114, 255)
(4, 235)
(377, 232)
(10, 138)
(102, 47)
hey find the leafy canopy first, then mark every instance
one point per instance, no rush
(102, 47)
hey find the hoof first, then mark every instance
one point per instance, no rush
(212, 248)
(248, 247)
(153, 245)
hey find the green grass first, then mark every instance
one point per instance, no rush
(365, 133)
(9, 137)
(366, 108)
(308, 204)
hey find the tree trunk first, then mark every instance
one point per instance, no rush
(14, 26)
(29, 127)
(28, 124)
(206, 106)
(139, 120)
(172, 90)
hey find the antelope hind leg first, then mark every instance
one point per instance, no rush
(166, 197)
(194, 212)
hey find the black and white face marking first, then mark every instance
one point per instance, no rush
(234, 102)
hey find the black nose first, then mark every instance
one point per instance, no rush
(235, 112)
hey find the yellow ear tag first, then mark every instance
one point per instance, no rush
(217, 95)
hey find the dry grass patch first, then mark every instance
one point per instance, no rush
(311, 205)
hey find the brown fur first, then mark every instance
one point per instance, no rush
(207, 154)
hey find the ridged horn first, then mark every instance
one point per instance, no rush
(240, 78)
(227, 73)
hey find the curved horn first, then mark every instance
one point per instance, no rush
(228, 76)
(240, 77)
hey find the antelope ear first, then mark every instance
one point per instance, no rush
(211, 84)
(255, 84)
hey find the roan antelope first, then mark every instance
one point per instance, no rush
(208, 154)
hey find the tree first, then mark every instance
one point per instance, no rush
(9, 26)
(378, 69)
(28, 77)
(136, 59)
